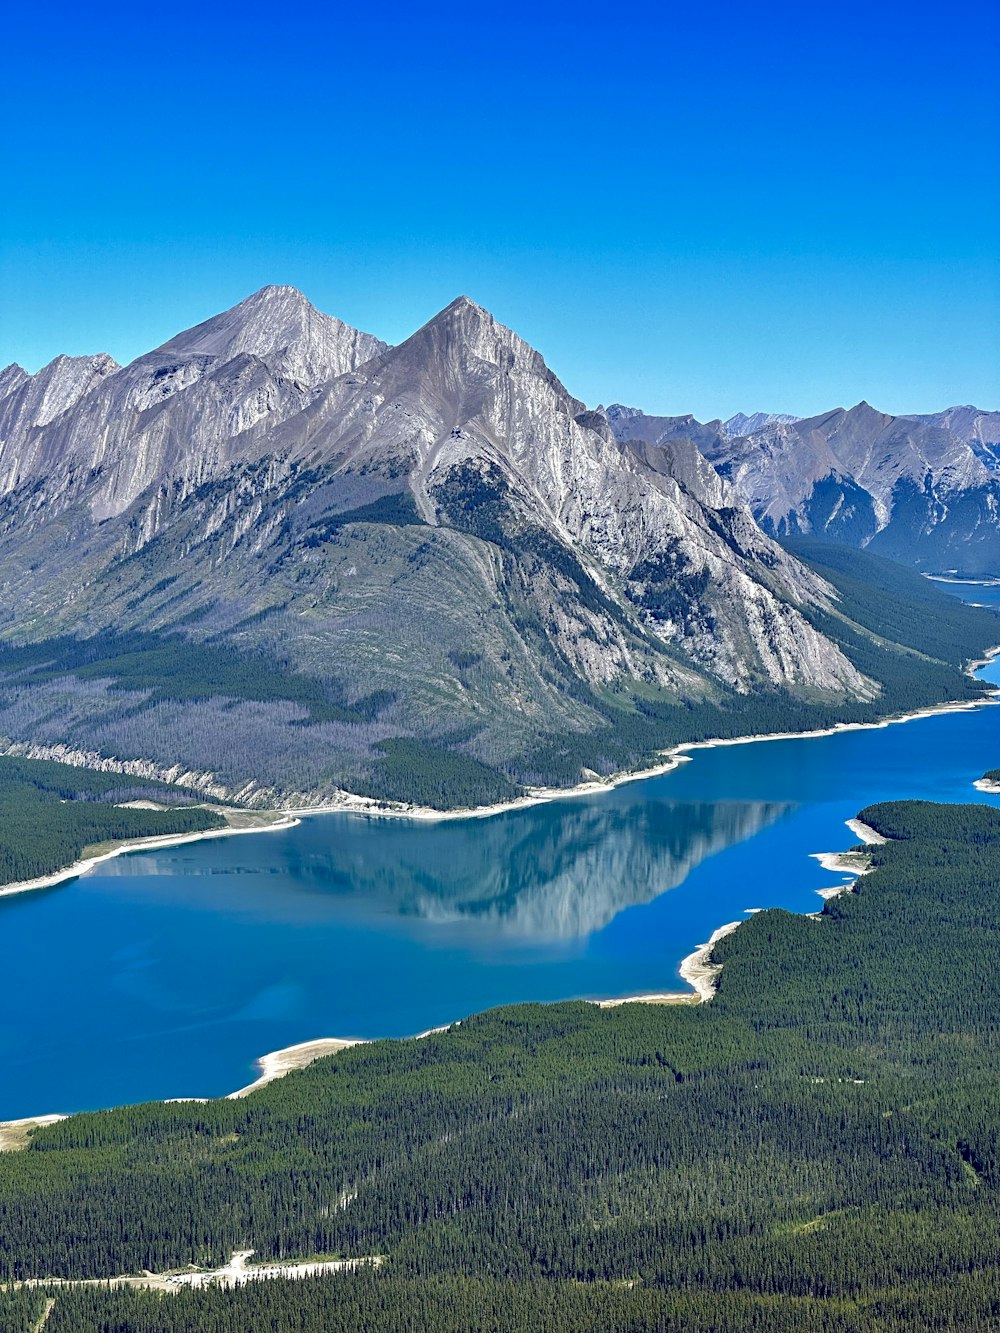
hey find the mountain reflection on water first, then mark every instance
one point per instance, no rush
(531, 876)
(166, 973)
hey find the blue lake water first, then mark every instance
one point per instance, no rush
(976, 594)
(165, 974)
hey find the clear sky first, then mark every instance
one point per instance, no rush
(692, 207)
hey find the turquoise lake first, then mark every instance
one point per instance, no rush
(165, 974)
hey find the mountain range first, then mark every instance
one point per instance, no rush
(278, 558)
(924, 490)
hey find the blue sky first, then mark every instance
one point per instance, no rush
(706, 208)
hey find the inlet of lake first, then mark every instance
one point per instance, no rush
(165, 974)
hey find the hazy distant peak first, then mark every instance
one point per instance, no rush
(743, 424)
(978, 427)
(620, 412)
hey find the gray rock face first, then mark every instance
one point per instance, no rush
(28, 401)
(277, 325)
(175, 412)
(440, 523)
(979, 430)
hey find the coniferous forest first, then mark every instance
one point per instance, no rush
(817, 1149)
(51, 813)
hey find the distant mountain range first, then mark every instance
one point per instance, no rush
(924, 490)
(276, 551)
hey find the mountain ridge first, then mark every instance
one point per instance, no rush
(922, 489)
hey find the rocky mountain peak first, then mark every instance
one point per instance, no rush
(11, 377)
(619, 412)
(864, 415)
(282, 328)
(464, 325)
(742, 424)
(468, 358)
(29, 401)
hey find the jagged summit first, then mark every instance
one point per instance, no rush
(30, 401)
(10, 377)
(278, 325)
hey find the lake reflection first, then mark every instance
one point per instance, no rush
(166, 973)
(528, 875)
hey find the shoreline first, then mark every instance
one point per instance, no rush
(671, 758)
(14, 1134)
(276, 819)
(971, 583)
(676, 755)
(851, 863)
(276, 1064)
(700, 974)
(696, 969)
(152, 844)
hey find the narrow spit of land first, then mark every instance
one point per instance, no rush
(236, 821)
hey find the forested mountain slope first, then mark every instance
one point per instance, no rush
(815, 1149)
(279, 558)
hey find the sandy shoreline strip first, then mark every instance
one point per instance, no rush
(14, 1134)
(276, 1064)
(971, 583)
(866, 833)
(696, 969)
(274, 821)
(699, 971)
(852, 864)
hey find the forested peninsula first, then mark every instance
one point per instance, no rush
(53, 815)
(817, 1149)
